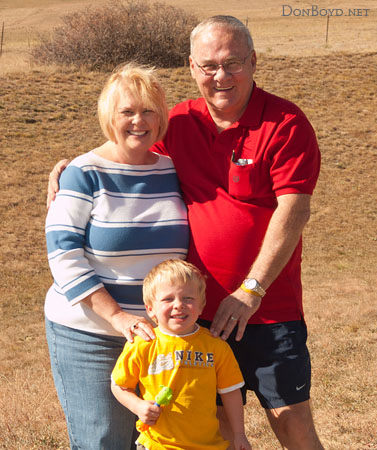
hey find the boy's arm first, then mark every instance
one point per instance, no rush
(232, 402)
(146, 410)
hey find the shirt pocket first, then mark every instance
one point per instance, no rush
(241, 180)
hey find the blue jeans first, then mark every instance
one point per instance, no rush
(81, 365)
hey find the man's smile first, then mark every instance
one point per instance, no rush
(223, 89)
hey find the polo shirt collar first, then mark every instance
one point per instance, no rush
(199, 109)
(250, 118)
(252, 115)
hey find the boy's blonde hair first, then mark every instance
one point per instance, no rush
(173, 271)
(142, 83)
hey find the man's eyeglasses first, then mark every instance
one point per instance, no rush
(228, 67)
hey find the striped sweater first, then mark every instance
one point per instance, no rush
(109, 225)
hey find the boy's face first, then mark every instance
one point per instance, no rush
(176, 308)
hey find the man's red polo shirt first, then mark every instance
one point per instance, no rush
(230, 205)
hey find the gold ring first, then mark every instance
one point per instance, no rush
(233, 318)
(134, 327)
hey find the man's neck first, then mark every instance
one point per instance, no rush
(222, 125)
(223, 120)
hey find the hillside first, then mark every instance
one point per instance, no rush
(47, 114)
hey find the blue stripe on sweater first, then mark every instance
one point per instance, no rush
(123, 294)
(75, 179)
(120, 239)
(64, 240)
(88, 182)
(126, 294)
(137, 238)
(82, 287)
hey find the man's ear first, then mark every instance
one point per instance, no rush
(254, 61)
(192, 67)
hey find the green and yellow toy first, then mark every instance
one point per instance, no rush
(163, 398)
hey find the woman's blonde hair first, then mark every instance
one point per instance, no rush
(174, 272)
(142, 83)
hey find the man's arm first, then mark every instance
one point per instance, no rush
(281, 238)
(53, 180)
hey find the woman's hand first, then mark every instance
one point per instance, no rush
(130, 326)
(105, 306)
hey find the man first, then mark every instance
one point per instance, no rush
(248, 163)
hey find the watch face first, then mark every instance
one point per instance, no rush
(251, 283)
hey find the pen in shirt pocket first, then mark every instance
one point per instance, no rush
(241, 161)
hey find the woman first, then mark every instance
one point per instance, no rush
(118, 214)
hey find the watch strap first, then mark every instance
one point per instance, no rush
(256, 287)
(250, 291)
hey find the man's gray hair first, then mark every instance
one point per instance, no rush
(231, 23)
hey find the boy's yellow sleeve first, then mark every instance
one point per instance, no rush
(229, 376)
(127, 368)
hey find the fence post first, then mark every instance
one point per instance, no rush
(2, 40)
(327, 27)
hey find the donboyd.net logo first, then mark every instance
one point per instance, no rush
(315, 10)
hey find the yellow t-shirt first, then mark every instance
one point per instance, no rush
(195, 367)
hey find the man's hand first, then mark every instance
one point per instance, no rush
(53, 180)
(235, 309)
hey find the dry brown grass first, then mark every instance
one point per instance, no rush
(45, 115)
(273, 33)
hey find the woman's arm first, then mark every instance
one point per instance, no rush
(106, 307)
(66, 224)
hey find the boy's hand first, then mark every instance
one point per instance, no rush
(53, 180)
(148, 412)
(241, 442)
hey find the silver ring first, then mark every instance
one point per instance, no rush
(233, 318)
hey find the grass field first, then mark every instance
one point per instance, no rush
(276, 31)
(48, 114)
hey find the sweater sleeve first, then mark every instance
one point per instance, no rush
(66, 224)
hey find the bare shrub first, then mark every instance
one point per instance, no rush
(101, 37)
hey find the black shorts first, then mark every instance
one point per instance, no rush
(274, 361)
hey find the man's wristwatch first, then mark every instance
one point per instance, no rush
(252, 286)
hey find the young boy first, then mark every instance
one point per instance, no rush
(186, 358)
